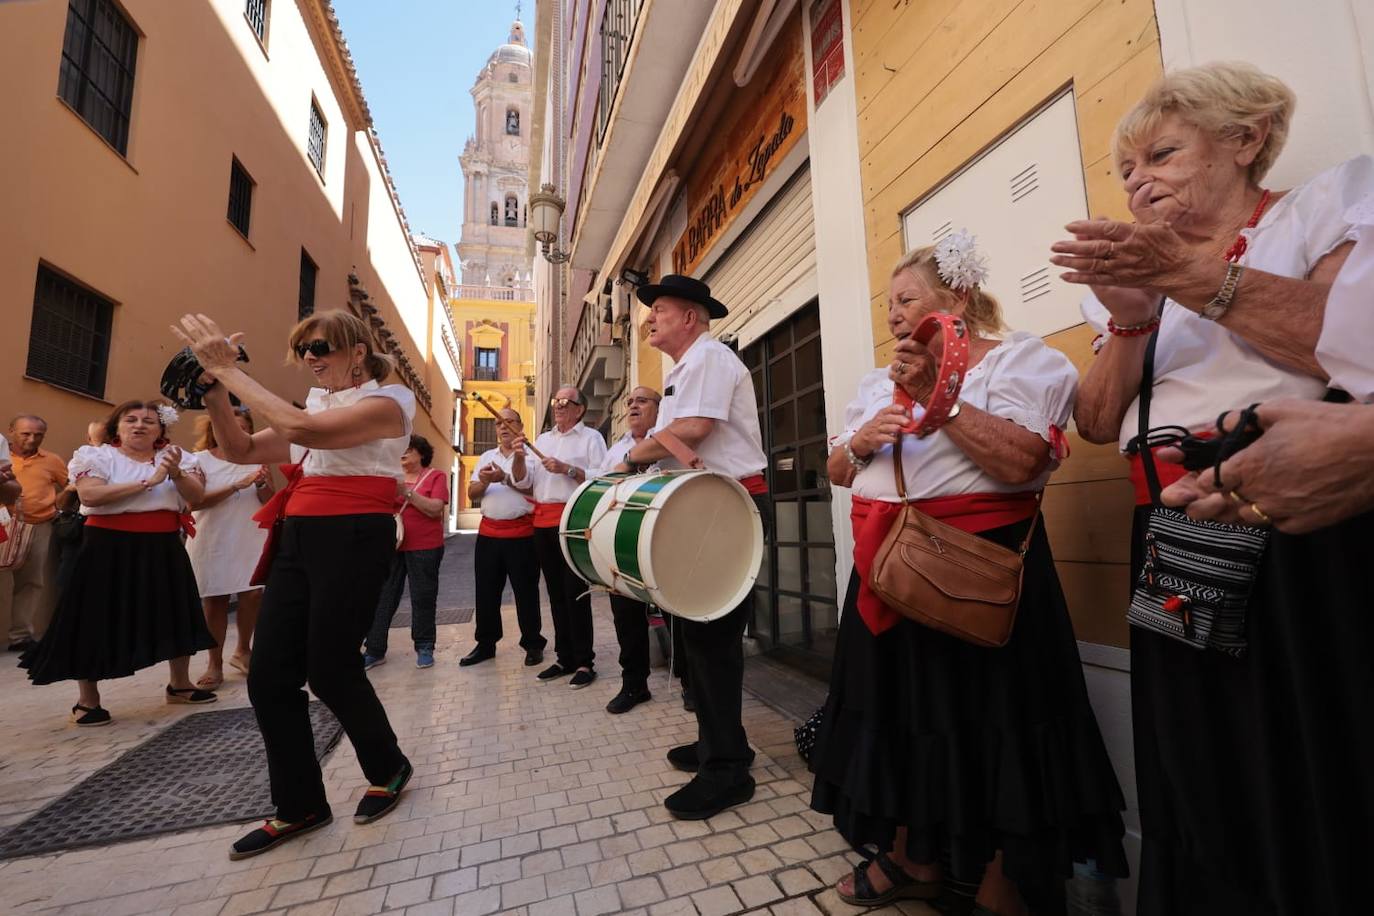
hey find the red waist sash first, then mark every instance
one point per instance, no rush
(757, 485)
(872, 520)
(1167, 470)
(327, 496)
(548, 515)
(521, 527)
(160, 521)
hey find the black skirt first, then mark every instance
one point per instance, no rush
(973, 750)
(1256, 774)
(132, 602)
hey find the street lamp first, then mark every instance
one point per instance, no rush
(546, 211)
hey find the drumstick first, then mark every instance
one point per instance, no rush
(505, 424)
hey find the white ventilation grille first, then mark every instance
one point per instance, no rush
(1035, 284)
(1024, 182)
(939, 234)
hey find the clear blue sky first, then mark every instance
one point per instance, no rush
(417, 59)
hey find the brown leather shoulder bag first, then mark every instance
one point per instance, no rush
(948, 579)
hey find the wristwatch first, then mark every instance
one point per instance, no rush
(571, 472)
(1221, 302)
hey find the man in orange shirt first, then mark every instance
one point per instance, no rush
(28, 592)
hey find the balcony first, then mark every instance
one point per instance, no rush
(496, 293)
(485, 374)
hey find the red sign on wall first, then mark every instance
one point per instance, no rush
(827, 46)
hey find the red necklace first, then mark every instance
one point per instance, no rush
(1237, 249)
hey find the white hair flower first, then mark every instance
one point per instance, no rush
(167, 414)
(958, 261)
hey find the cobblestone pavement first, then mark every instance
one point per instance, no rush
(528, 798)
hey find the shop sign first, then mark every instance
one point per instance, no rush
(827, 46)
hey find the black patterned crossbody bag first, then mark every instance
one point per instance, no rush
(1195, 583)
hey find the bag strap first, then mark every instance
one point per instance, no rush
(1147, 387)
(900, 476)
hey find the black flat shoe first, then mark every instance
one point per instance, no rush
(582, 678)
(553, 672)
(689, 702)
(702, 798)
(627, 699)
(89, 716)
(477, 656)
(380, 799)
(273, 833)
(904, 887)
(193, 695)
(684, 757)
(533, 658)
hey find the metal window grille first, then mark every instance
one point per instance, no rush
(69, 339)
(315, 147)
(483, 435)
(487, 368)
(96, 75)
(256, 11)
(240, 197)
(617, 31)
(306, 301)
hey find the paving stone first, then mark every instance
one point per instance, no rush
(797, 881)
(452, 883)
(717, 901)
(522, 892)
(640, 892)
(408, 892)
(757, 891)
(597, 900)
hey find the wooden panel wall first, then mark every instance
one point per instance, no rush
(938, 81)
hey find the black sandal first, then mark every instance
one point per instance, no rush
(90, 715)
(904, 887)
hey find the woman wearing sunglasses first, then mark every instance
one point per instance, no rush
(330, 554)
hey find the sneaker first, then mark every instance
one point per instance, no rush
(378, 800)
(192, 695)
(87, 716)
(582, 678)
(274, 832)
(372, 661)
(424, 658)
(627, 699)
(553, 672)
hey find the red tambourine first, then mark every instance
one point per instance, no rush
(949, 377)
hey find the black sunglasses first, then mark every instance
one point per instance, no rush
(318, 348)
(563, 402)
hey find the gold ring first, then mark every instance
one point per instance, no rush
(1236, 497)
(1111, 251)
(1259, 514)
(900, 367)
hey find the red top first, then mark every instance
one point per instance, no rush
(423, 532)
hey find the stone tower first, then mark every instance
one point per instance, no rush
(495, 169)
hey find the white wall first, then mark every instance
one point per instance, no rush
(1323, 49)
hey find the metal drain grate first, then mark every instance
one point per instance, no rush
(209, 768)
(442, 616)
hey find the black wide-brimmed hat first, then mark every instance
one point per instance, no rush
(682, 287)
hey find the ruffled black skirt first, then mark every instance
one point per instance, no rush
(1256, 774)
(132, 602)
(973, 750)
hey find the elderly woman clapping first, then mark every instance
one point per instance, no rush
(1212, 300)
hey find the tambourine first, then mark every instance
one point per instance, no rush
(181, 380)
(949, 377)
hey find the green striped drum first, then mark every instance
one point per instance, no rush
(688, 541)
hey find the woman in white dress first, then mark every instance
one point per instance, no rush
(227, 546)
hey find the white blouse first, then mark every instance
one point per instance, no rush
(378, 458)
(1203, 369)
(501, 502)
(228, 542)
(1022, 379)
(107, 463)
(1346, 347)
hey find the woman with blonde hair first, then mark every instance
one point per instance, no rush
(227, 545)
(1254, 756)
(979, 774)
(330, 551)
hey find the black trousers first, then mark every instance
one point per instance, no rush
(496, 561)
(421, 568)
(320, 601)
(632, 632)
(714, 666)
(572, 615)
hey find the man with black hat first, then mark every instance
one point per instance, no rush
(708, 403)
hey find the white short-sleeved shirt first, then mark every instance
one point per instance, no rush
(378, 458)
(1203, 369)
(616, 453)
(1346, 347)
(710, 381)
(582, 447)
(501, 502)
(107, 463)
(1022, 379)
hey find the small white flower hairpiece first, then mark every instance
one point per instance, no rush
(167, 414)
(958, 262)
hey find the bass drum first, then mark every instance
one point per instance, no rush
(688, 541)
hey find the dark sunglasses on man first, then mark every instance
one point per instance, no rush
(317, 348)
(563, 402)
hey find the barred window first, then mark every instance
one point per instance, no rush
(96, 75)
(240, 197)
(483, 435)
(315, 146)
(306, 303)
(69, 339)
(256, 11)
(488, 364)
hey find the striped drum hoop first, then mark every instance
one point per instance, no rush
(688, 541)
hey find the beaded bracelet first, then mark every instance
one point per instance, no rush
(1132, 330)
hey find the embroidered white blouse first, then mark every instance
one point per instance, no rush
(378, 458)
(107, 463)
(1201, 368)
(1022, 379)
(1346, 347)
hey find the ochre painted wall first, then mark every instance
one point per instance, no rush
(939, 81)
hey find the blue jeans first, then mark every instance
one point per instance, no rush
(421, 567)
